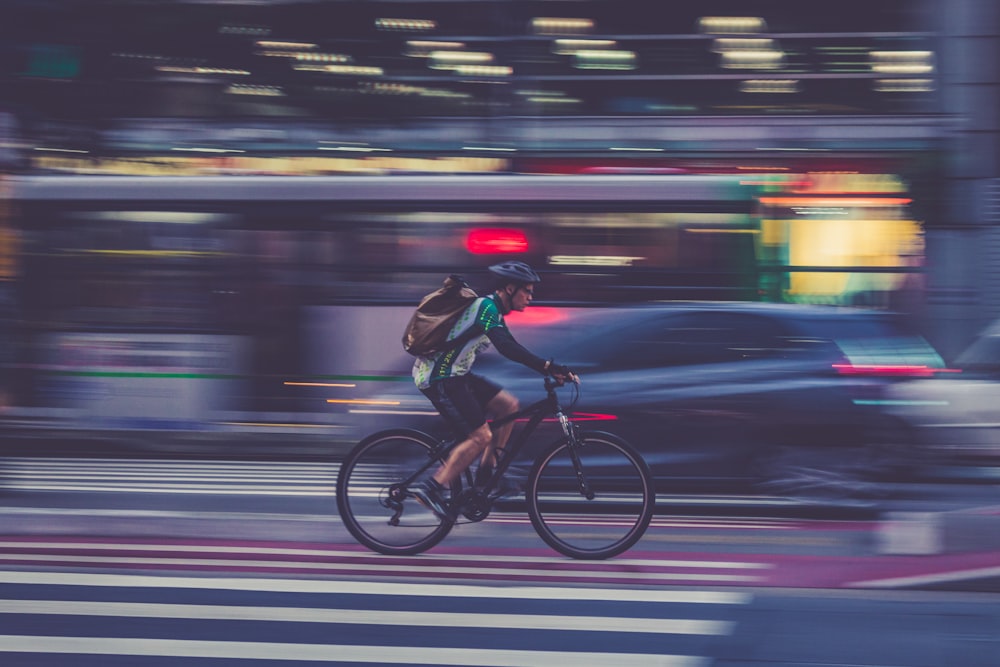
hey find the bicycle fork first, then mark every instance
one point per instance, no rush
(573, 443)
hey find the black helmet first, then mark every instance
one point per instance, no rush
(515, 272)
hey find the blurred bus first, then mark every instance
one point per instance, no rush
(225, 277)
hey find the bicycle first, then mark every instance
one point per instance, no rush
(590, 494)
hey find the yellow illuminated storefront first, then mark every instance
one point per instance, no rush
(845, 240)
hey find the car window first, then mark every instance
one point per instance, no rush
(865, 340)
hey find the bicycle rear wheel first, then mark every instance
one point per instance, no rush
(372, 501)
(602, 523)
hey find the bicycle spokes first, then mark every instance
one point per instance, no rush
(372, 496)
(593, 501)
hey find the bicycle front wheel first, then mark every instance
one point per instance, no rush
(372, 498)
(593, 499)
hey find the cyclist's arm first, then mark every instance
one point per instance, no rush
(504, 341)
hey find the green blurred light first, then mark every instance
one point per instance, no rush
(53, 61)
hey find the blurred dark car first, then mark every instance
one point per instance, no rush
(724, 397)
(957, 415)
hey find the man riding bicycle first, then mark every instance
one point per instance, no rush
(464, 399)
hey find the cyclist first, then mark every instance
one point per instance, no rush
(465, 399)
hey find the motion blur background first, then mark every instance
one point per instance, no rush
(219, 213)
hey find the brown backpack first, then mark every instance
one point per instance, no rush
(428, 329)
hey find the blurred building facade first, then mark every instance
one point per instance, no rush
(899, 87)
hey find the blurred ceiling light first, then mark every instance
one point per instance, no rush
(273, 44)
(355, 70)
(550, 25)
(635, 148)
(552, 99)
(307, 57)
(274, 53)
(753, 59)
(180, 217)
(452, 59)
(568, 47)
(902, 62)
(604, 59)
(263, 91)
(416, 48)
(380, 88)
(593, 260)
(770, 86)
(902, 68)
(904, 85)
(405, 25)
(483, 70)
(201, 70)
(732, 25)
(724, 44)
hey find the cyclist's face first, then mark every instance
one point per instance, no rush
(521, 297)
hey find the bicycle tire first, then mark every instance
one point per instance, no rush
(600, 527)
(377, 462)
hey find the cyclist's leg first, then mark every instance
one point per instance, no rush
(462, 409)
(499, 403)
(463, 455)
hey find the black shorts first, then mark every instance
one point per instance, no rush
(462, 401)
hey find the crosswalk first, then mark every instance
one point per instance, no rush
(86, 618)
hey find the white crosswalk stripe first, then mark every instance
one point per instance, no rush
(88, 617)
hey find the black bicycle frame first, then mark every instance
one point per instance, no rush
(537, 411)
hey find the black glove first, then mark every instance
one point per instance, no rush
(558, 369)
